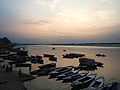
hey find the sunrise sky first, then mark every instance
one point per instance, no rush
(60, 21)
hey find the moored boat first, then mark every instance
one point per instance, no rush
(69, 73)
(74, 77)
(48, 55)
(52, 58)
(47, 65)
(73, 55)
(84, 81)
(96, 83)
(101, 55)
(61, 70)
(110, 86)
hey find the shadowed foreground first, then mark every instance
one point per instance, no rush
(12, 80)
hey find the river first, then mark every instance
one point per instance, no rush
(110, 71)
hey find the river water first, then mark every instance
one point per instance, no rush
(110, 71)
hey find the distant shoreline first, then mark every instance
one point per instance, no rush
(78, 44)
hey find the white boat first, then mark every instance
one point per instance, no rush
(96, 83)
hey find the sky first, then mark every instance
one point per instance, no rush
(60, 21)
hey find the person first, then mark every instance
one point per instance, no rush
(20, 72)
(3, 66)
(30, 68)
(7, 68)
(11, 67)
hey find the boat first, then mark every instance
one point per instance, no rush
(39, 57)
(34, 72)
(36, 59)
(110, 86)
(50, 65)
(83, 81)
(86, 61)
(76, 55)
(64, 50)
(48, 55)
(99, 64)
(52, 58)
(89, 62)
(67, 56)
(53, 48)
(74, 77)
(40, 61)
(22, 65)
(73, 55)
(101, 55)
(61, 70)
(44, 72)
(96, 83)
(69, 73)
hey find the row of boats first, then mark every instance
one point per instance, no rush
(77, 79)
(39, 59)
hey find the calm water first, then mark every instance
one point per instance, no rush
(111, 69)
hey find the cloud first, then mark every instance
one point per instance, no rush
(39, 22)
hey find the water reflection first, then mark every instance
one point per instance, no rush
(110, 70)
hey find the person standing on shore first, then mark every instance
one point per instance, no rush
(20, 72)
(7, 68)
(30, 68)
(11, 67)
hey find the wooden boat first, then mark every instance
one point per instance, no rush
(96, 83)
(52, 58)
(40, 72)
(48, 55)
(84, 81)
(73, 55)
(64, 50)
(61, 70)
(34, 72)
(110, 86)
(39, 57)
(74, 77)
(40, 61)
(44, 72)
(22, 65)
(101, 55)
(53, 48)
(47, 65)
(69, 73)
(67, 56)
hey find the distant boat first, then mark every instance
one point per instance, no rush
(84, 81)
(73, 55)
(48, 55)
(74, 77)
(96, 83)
(101, 55)
(64, 50)
(53, 48)
(52, 58)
